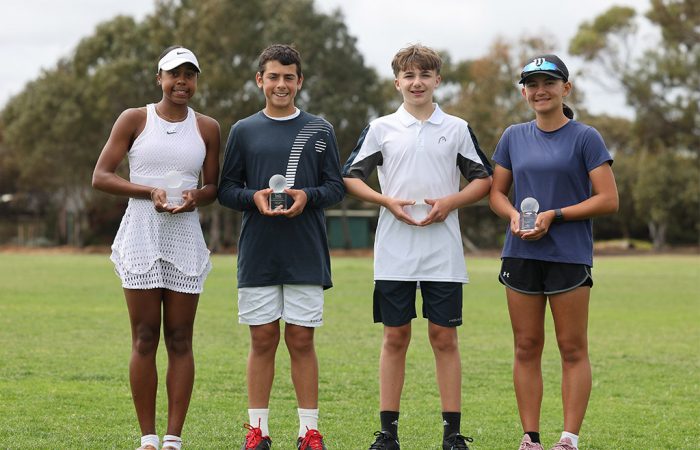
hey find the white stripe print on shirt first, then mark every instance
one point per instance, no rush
(306, 133)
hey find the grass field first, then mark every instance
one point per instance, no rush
(65, 344)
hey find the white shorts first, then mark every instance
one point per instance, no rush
(297, 304)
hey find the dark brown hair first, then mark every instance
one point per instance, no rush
(282, 53)
(168, 50)
(568, 112)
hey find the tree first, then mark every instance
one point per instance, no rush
(661, 84)
(665, 205)
(56, 124)
(55, 128)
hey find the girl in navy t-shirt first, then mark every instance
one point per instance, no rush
(565, 166)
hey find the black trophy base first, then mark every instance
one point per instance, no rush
(278, 200)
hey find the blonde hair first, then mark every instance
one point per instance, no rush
(418, 56)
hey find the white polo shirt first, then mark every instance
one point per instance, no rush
(417, 161)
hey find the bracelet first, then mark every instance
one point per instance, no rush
(151, 194)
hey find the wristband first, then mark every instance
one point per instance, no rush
(558, 215)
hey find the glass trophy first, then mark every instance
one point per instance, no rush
(528, 214)
(420, 210)
(418, 192)
(278, 198)
(173, 184)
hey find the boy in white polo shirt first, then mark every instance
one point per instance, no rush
(419, 153)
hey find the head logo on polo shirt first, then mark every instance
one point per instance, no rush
(442, 139)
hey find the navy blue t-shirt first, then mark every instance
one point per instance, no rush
(553, 167)
(279, 250)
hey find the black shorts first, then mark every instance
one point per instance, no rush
(532, 276)
(395, 302)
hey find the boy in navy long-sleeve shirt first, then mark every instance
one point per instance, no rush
(283, 259)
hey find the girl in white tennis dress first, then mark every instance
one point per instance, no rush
(159, 251)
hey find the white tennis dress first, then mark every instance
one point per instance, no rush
(163, 250)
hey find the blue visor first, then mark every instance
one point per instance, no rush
(542, 67)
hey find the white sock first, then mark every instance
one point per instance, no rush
(150, 439)
(258, 419)
(308, 420)
(573, 437)
(170, 440)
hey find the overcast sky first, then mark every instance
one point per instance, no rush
(34, 34)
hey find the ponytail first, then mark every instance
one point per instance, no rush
(568, 112)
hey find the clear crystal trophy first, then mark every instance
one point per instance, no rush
(173, 186)
(278, 198)
(528, 213)
(419, 210)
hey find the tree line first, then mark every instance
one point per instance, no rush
(51, 133)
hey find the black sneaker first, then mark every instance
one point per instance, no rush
(456, 441)
(384, 441)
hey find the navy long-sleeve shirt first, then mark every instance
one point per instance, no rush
(279, 250)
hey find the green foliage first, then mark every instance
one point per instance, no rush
(51, 133)
(661, 84)
(55, 128)
(678, 20)
(616, 19)
(66, 344)
(669, 199)
(593, 37)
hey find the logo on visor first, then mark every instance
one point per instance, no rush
(538, 61)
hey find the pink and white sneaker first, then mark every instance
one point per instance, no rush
(564, 444)
(527, 444)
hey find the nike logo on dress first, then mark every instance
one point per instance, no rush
(171, 132)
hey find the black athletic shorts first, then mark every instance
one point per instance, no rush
(395, 302)
(532, 276)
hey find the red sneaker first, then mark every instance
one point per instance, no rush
(255, 439)
(311, 441)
